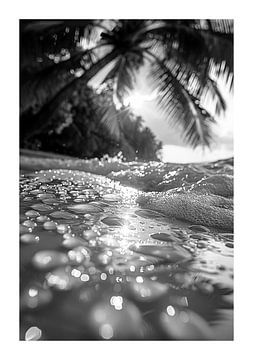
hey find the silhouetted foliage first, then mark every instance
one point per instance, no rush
(77, 130)
(186, 57)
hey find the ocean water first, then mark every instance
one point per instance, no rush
(111, 250)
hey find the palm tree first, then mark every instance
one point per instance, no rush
(185, 57)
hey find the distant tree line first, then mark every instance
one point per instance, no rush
(76, 129)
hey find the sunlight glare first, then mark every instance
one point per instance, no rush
(136, 100)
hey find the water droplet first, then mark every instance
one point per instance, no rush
(41, 207)
(103, 259)
(89, 234)
(52, 201)
(42, 218)
(35, 192)
(62, 279)
(106, 320)
(228, 236)
(79, 255)
(199, 228)
(229, 245)
(63, 228)
(24, 229)
(32, 213)
(146, 290)
(35, 296)
(112, 197)
(49, 225)
(29, 223)
(29, 239)
(113, 221)
(106, 331)
(45, 196)
(200, 236)
(72, 241)
(85, 208)
(163, 237)
(184, 325)
(63, 215)
(171, 254)
(47, 259)
(148, 214)
(33, 333)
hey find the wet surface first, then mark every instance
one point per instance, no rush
(97, 265)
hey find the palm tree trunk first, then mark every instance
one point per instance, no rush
(41, 120)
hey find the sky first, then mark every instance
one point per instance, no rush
(174, 149)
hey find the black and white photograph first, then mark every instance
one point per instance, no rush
(126, 179)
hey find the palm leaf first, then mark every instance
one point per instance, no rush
(109, 118)
(182, 107)
(123, 75)
(197, 42)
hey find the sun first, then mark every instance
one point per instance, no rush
(136, 100)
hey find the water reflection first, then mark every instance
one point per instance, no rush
(111, 270)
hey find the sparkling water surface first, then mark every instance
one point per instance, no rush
(99, 263)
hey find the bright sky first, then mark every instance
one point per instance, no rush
(174, 149)
(142, 101)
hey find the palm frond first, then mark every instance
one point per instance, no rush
(199, 83)
(182, 107)
(123, 75)
(198, 42)
(110, 119)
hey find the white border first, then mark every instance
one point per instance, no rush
(13, 10)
